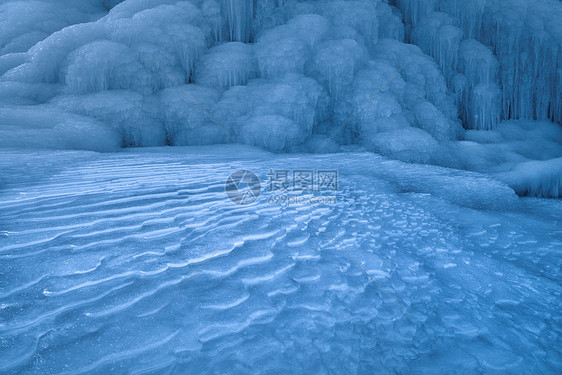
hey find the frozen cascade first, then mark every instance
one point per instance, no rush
(226, 65)
(120, 255)
(477, 62)
(438, 36)
(481, 105)
(414, 10)
(390, 22)
(469, 14)
(526, 37)
(484, 109)
(306, 75)
(239, 14)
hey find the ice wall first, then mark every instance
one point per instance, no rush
(285, 75)
(525, 36)
(238, 16)
(211, 71)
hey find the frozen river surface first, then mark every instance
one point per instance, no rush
(138, 262)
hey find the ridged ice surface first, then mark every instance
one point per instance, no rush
(137, 262)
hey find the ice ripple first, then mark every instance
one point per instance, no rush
(140, 261)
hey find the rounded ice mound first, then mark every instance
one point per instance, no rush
(287, 55)
(293, 96)
(173, 28)
(226, 65)
(406, 144)
(103, 65)
(25, 23)
(45, 59)
(357, 15)
(272, 132)
(420, 72)
(336, 62)
(402, 88)
(187, 108)
(372, 102)
(287, 48)
(40, 127)
(128, 113)
(430, 119)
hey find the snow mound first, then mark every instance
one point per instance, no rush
(459, 187)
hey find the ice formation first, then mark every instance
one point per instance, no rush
(437, 115)
(226, 65)
(137, 261)
(537, 178)
(213, 71)
(526, 37)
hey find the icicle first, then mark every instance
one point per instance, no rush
(390, 25)
(484, 113)
(415, 10)
(477, 62)
(239, 15)
(459, 87)
(469, 14)
(438, 36)
(226, 65)
(524, 35)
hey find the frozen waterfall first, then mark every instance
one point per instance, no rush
(280, 187)
(101, 74)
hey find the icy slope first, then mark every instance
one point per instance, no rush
(137, 260)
